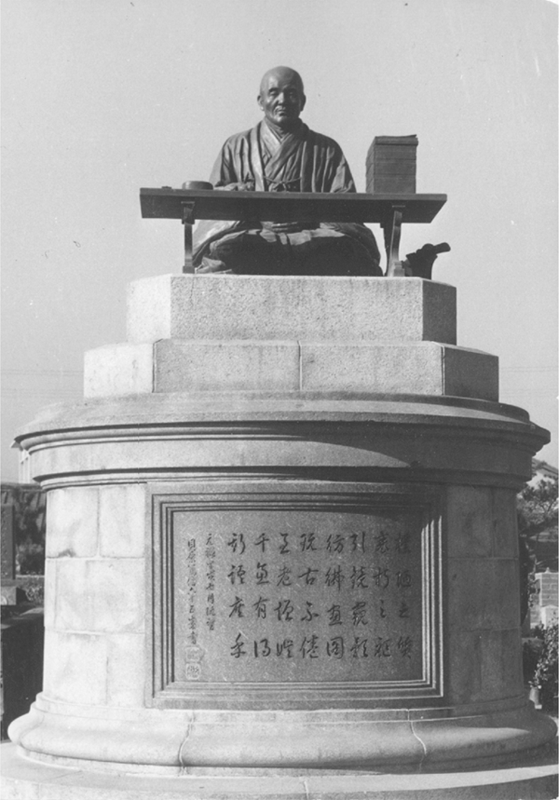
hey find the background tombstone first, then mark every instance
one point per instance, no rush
(8, 555)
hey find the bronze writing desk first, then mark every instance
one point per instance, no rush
(389, 210)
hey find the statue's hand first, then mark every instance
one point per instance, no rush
(237, 187)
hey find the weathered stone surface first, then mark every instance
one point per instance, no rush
(122, 515)
(180, 366)
(125, 670)
(450, 433)
(50, 592)
(505, 526)
(99, 595)
(75, 667)
(293, 599)
(94, 669)
(472, 657)
(26, 780)
(342, 431)
(271, 411)
(118, 369)
(286, 308)
(494, 608)
(470, 373)
(470, 522)
(176, 365)
(498, 668)
(73, 522)
(422, 368)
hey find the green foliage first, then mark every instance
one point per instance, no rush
(537, 507)
(537, 510)
(531, 650)
(527, 569)
(545, 673)
(30, 558)
(29, 530)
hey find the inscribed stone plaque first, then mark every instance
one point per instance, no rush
(296, 596)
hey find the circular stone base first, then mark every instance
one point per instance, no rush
(23, 779)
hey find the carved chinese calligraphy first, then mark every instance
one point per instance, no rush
(268, 597)
(286, 597)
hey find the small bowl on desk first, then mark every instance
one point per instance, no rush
(197, 185)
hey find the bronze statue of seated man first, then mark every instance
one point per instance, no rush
(281, 154)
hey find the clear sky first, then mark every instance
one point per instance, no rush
(101, 97)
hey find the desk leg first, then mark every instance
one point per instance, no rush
(392, 232)
(188, 221)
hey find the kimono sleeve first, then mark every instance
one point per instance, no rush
(224, 170)
(342, 179)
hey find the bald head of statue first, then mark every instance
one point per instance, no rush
(282, 97)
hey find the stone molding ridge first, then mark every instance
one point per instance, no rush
(223, 740)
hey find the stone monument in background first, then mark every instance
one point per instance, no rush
(282, 548)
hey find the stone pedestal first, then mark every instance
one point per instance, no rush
(282, 538)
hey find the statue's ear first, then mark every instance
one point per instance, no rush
(303, 101)
(259, 101)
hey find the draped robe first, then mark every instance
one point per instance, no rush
(299, 161)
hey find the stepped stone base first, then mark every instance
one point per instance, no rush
(28, 780)
(426, 368)
(282, 557)
(317, 309)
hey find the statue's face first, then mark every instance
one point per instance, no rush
(281, 98)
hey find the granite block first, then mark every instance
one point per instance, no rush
(75, 667)
(72, 522)
(483, 594)
(501, 673)
(244, 365)
(125, 670)
(469, 521)
(410, 368)
(122, 520)
(100, 595)
(438, 311)
(482, 665)
(471, 373)
(288, 307)
(226, 366)
(50, 592)
(505, 524)
(118, 369)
